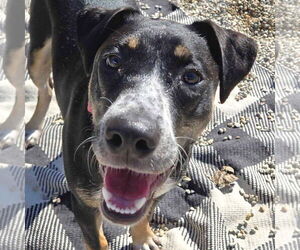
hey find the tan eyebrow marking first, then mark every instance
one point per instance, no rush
(182, 51)
(133, 42)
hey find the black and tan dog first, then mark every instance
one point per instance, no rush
(134, 94)
(14, 69)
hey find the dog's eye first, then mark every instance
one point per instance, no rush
(191, 77)
(113, 61)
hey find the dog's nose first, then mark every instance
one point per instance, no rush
(138, 139)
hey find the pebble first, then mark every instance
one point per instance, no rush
(249, 215)
(230, 124)
(161, 233)
(145, 7)
(58, 121)
(261, 209)
(232, 232)
(221, 130)
(252, 231)
(252, 199)
(237, 125)
(189, 191)
(272, 233)
(227, 138)
(158, 7)
(156, 15)
(231, 245)
(186, 179)
(259, 116)
(56, 200)
(228, 169)
(253, 203)
(203, 141)
(241, 236)
(272, 165)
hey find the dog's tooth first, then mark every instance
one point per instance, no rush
(110, 205)
(132, 210)
(116, 209)
(113, 207)
(139, 203)
(127, 211)
(106, 194)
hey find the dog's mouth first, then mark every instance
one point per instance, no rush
(127, 194)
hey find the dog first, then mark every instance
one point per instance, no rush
(134, 93)
(14, 70)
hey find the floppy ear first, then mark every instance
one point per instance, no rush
(234, 52)
(94, 25)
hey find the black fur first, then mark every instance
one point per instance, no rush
(82, 39)
(234, 52)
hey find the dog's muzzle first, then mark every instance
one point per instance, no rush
(127, 194)
(127, 190)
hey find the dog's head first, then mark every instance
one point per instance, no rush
(151, 92)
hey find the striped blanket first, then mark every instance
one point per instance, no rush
(259, 210)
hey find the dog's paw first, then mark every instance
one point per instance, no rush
(9, 139)
(32, 138)
(150, 243)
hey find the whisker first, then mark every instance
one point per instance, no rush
(151, 165)
(105, 98)
(89, 139)
(187, 156)
(88, 159)
(180, 157)
(180, 147)
(178, 168)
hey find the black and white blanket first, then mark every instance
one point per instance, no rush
(259, 211)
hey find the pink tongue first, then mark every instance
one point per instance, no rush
(89, 108)
(127, 184)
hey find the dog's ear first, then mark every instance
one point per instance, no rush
(234, 53)
(94, 25)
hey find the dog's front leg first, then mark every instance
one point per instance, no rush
(90, 222)
(142, 236)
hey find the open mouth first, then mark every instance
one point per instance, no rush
(127, 193)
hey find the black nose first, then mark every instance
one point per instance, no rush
(135, 138)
